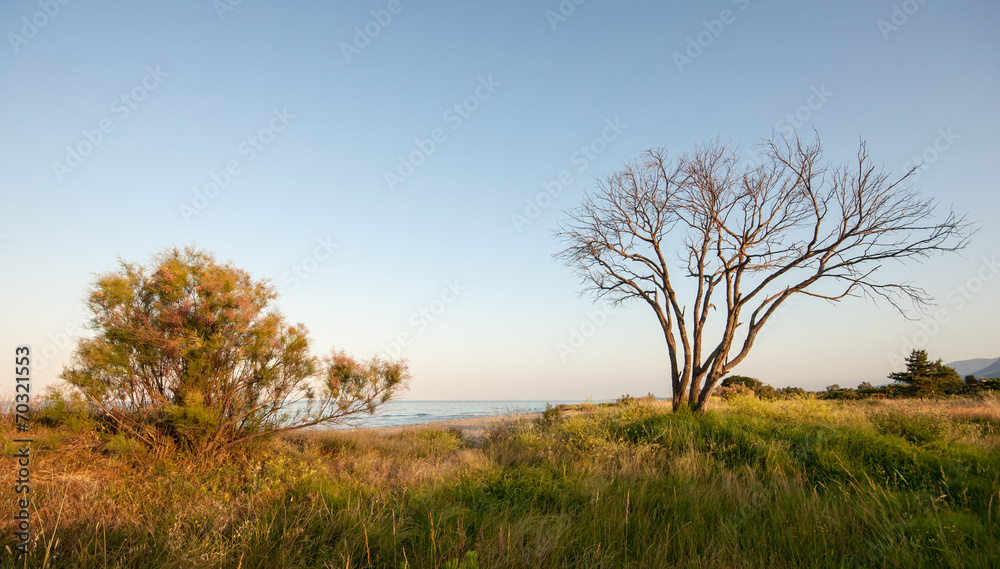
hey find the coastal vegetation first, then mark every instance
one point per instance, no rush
(922, 379)
(187, 433)
(788, 482)
(186, 352)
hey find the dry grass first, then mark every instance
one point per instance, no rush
(401, 458)
(752, 484)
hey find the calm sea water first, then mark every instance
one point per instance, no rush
(397, 413)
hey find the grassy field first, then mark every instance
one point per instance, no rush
(796, 483)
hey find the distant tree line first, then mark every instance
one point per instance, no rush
(922, 378)
(736, 384)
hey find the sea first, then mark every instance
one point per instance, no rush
(396, 413)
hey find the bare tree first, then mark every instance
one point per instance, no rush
(750, 237)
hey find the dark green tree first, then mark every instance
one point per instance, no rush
(924, 378)
(751, 382)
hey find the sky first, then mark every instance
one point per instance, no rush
(397, 168)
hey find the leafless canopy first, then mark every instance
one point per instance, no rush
(756, 232)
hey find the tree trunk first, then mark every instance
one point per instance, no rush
(700, 403)
(679, 399)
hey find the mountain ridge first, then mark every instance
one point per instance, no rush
(979, 367)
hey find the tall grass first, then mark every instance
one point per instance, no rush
(799, 483)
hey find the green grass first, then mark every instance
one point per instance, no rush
(799, 483)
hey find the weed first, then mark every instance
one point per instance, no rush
(788, 483)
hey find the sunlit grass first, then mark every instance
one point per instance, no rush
(789, 483)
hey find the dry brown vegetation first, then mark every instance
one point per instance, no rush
(787, 483)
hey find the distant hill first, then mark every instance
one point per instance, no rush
(992, 370)
(979, 367)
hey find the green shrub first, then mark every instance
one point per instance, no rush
(992, 384)
(122, 445)
(733, 380)
(767, 392)
(551, 414)
(791, 392)
(729, 392)
(66, 407)
(837, 392)
(190, 422)
(736, 385)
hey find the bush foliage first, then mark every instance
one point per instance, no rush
(192, 352)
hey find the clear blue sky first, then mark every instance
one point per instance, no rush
(309, 113)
